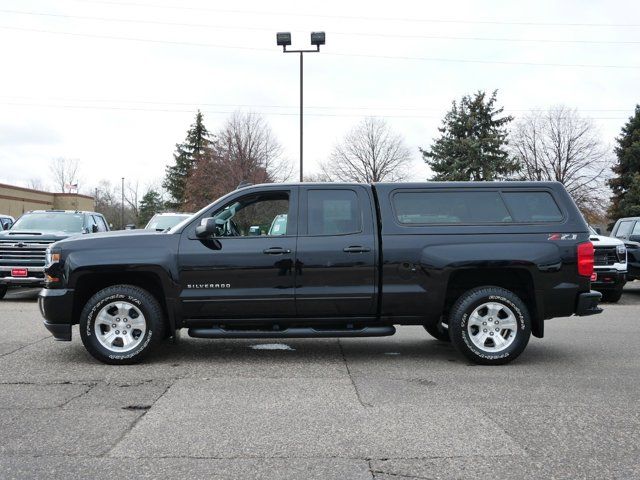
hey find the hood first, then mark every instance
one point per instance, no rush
(33, 235)
(603, 241)
(117, 238)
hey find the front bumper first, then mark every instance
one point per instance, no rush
(34, 279)
(588, 303)
(609, 279)
(56, 306)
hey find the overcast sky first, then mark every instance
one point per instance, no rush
(116, 83)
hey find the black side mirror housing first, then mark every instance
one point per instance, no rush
(94, 228)
(207, 228)
(5, 226)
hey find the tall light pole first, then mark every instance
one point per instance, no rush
(283, 39)
(122, 204)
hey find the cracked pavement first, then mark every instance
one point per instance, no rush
(401, 407)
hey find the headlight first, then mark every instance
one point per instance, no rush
(621, 250)
(51, 257)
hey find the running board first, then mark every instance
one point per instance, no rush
(294, 332)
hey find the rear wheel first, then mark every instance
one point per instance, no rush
(3, 291)
(490, 325)
(121, 324)
(612, 296)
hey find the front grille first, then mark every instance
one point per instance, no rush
(23, 253)
(605, 256)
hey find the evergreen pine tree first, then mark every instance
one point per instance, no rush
(150, 204)
(196, 145)
(626, 184)
(473, 142)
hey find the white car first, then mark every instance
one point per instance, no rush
(610, 270)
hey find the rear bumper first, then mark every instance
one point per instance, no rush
(588, 303)
(56, 306)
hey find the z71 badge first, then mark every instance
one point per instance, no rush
(208, 285)
(563, 236)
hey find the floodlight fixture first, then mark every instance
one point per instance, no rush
(283, 39)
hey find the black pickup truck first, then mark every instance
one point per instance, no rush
(482, 265)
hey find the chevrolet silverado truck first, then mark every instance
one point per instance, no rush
(23, 247)
(610, 266)
(481, 265)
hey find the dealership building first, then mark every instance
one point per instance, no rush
(15, 201)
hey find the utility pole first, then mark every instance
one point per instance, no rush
(122, 205)
(283, 39)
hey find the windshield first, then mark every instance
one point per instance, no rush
(165, 221)
(50, 222)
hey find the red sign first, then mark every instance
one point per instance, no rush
(19, 272)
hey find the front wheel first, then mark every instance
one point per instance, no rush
(121, 324)
(490, 325)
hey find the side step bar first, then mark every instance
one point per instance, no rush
(294, 332)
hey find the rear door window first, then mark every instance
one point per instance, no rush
(333, 212)
(450, 207)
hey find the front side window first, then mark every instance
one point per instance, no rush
(254, 215)
(333, 212)
(438, 207)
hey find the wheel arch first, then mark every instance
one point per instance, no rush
(518, 280)
(90, 283)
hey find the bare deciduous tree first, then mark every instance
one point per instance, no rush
(64, 172)
(36, 183)
(245, 149)
(560, 145)
(371, 152)
(131, 198)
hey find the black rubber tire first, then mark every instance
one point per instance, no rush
(3, 291)
(438, 332)
(149, 307)
(467, 303)
(612, 296)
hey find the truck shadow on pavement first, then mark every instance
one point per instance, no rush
(313, 354)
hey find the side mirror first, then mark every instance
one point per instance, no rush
(598, 230)
(5, 226)
(94, 228)
(208, 227)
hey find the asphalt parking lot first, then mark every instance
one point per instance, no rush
(402, 407)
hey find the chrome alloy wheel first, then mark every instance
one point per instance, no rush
(120, 326)
(492, 327)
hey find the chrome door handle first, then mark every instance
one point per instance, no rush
(276, 251)
(356, 249)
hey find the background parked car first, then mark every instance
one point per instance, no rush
(610, 266)
(161, 221)
(6, 221)
(23, 248)
(628, 230)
